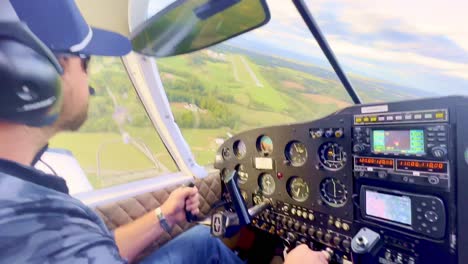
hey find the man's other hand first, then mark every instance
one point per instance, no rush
(303, 255)
(181, 199)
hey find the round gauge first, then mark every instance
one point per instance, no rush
(298, 189)
(226, 153)
(243, 175)
(265, 145)
(296, 153)
(239, 149)
(332, 156)
(333, 192)
(267, 184)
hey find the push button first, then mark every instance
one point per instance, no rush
(431, 216)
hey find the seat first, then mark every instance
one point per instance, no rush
(122, 212)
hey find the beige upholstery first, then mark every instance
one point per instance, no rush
(122, 212)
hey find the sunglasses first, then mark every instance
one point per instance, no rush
(85, 59)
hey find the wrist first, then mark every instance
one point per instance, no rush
(168, 216)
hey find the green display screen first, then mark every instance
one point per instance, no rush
(398, 141)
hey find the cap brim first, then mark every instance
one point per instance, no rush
(106, 43)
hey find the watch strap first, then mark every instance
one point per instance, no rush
(162, 220)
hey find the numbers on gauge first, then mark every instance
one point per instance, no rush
(332, 156)
(240, 149)
(296, 153)
(243, 175)
(298, 189)
(265, 145)
(267, 184)
(333, 192)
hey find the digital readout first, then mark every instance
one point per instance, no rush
(424, 166)
(374, 162)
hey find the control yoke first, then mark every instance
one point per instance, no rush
(226, 224)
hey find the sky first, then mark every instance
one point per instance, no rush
(421, 44)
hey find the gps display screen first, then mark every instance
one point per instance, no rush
(389, 207)
(398, 141)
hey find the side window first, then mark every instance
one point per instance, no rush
(118, 143)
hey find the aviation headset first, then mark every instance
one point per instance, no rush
(30, 85)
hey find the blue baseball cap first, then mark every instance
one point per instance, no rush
(61, 27)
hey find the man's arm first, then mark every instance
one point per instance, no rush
(133, 237)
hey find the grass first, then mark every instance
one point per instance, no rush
(115, 157)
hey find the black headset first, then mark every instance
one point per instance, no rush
(30, 85)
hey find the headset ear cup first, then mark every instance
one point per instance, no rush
(32, 92)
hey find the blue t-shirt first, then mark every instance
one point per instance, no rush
(41, 223)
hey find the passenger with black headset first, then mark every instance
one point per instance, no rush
(44, 90)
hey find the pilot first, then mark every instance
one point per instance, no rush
(43, 71)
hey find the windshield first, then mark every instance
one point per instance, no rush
(419, 47)
(248, 82)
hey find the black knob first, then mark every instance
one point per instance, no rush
(328, 237)
(303, 229)
(284, 221)
(290, 223)
(311, 231)
(329, 133)
(382, 174)
(337, 241)
(358, 148)
(297, 226)
(346, 244)
(319, 234)
(439, 152)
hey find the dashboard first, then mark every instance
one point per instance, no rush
(393, 169)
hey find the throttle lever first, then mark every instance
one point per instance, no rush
(188, 214)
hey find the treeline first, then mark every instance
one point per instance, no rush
(213, 100)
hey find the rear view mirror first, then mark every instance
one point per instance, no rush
(190, 25)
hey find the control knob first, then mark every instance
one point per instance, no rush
(297, 226)
(328, 237)
(303, 229)
(439, 152)
(339, 133)
(318, 133)
(319, 234)
(329, 133)
(346, 244)
(359, 148)
(311, 231)
(337, 241)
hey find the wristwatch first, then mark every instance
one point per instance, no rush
(162, 220)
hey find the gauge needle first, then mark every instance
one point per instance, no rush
(298, 191)
(334, 189)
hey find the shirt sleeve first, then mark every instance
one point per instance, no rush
(48, 231)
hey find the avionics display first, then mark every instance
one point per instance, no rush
(423, 166)
(398, 141)
(374, 162)
(389, 207)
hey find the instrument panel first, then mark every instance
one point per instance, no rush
(389, 168)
